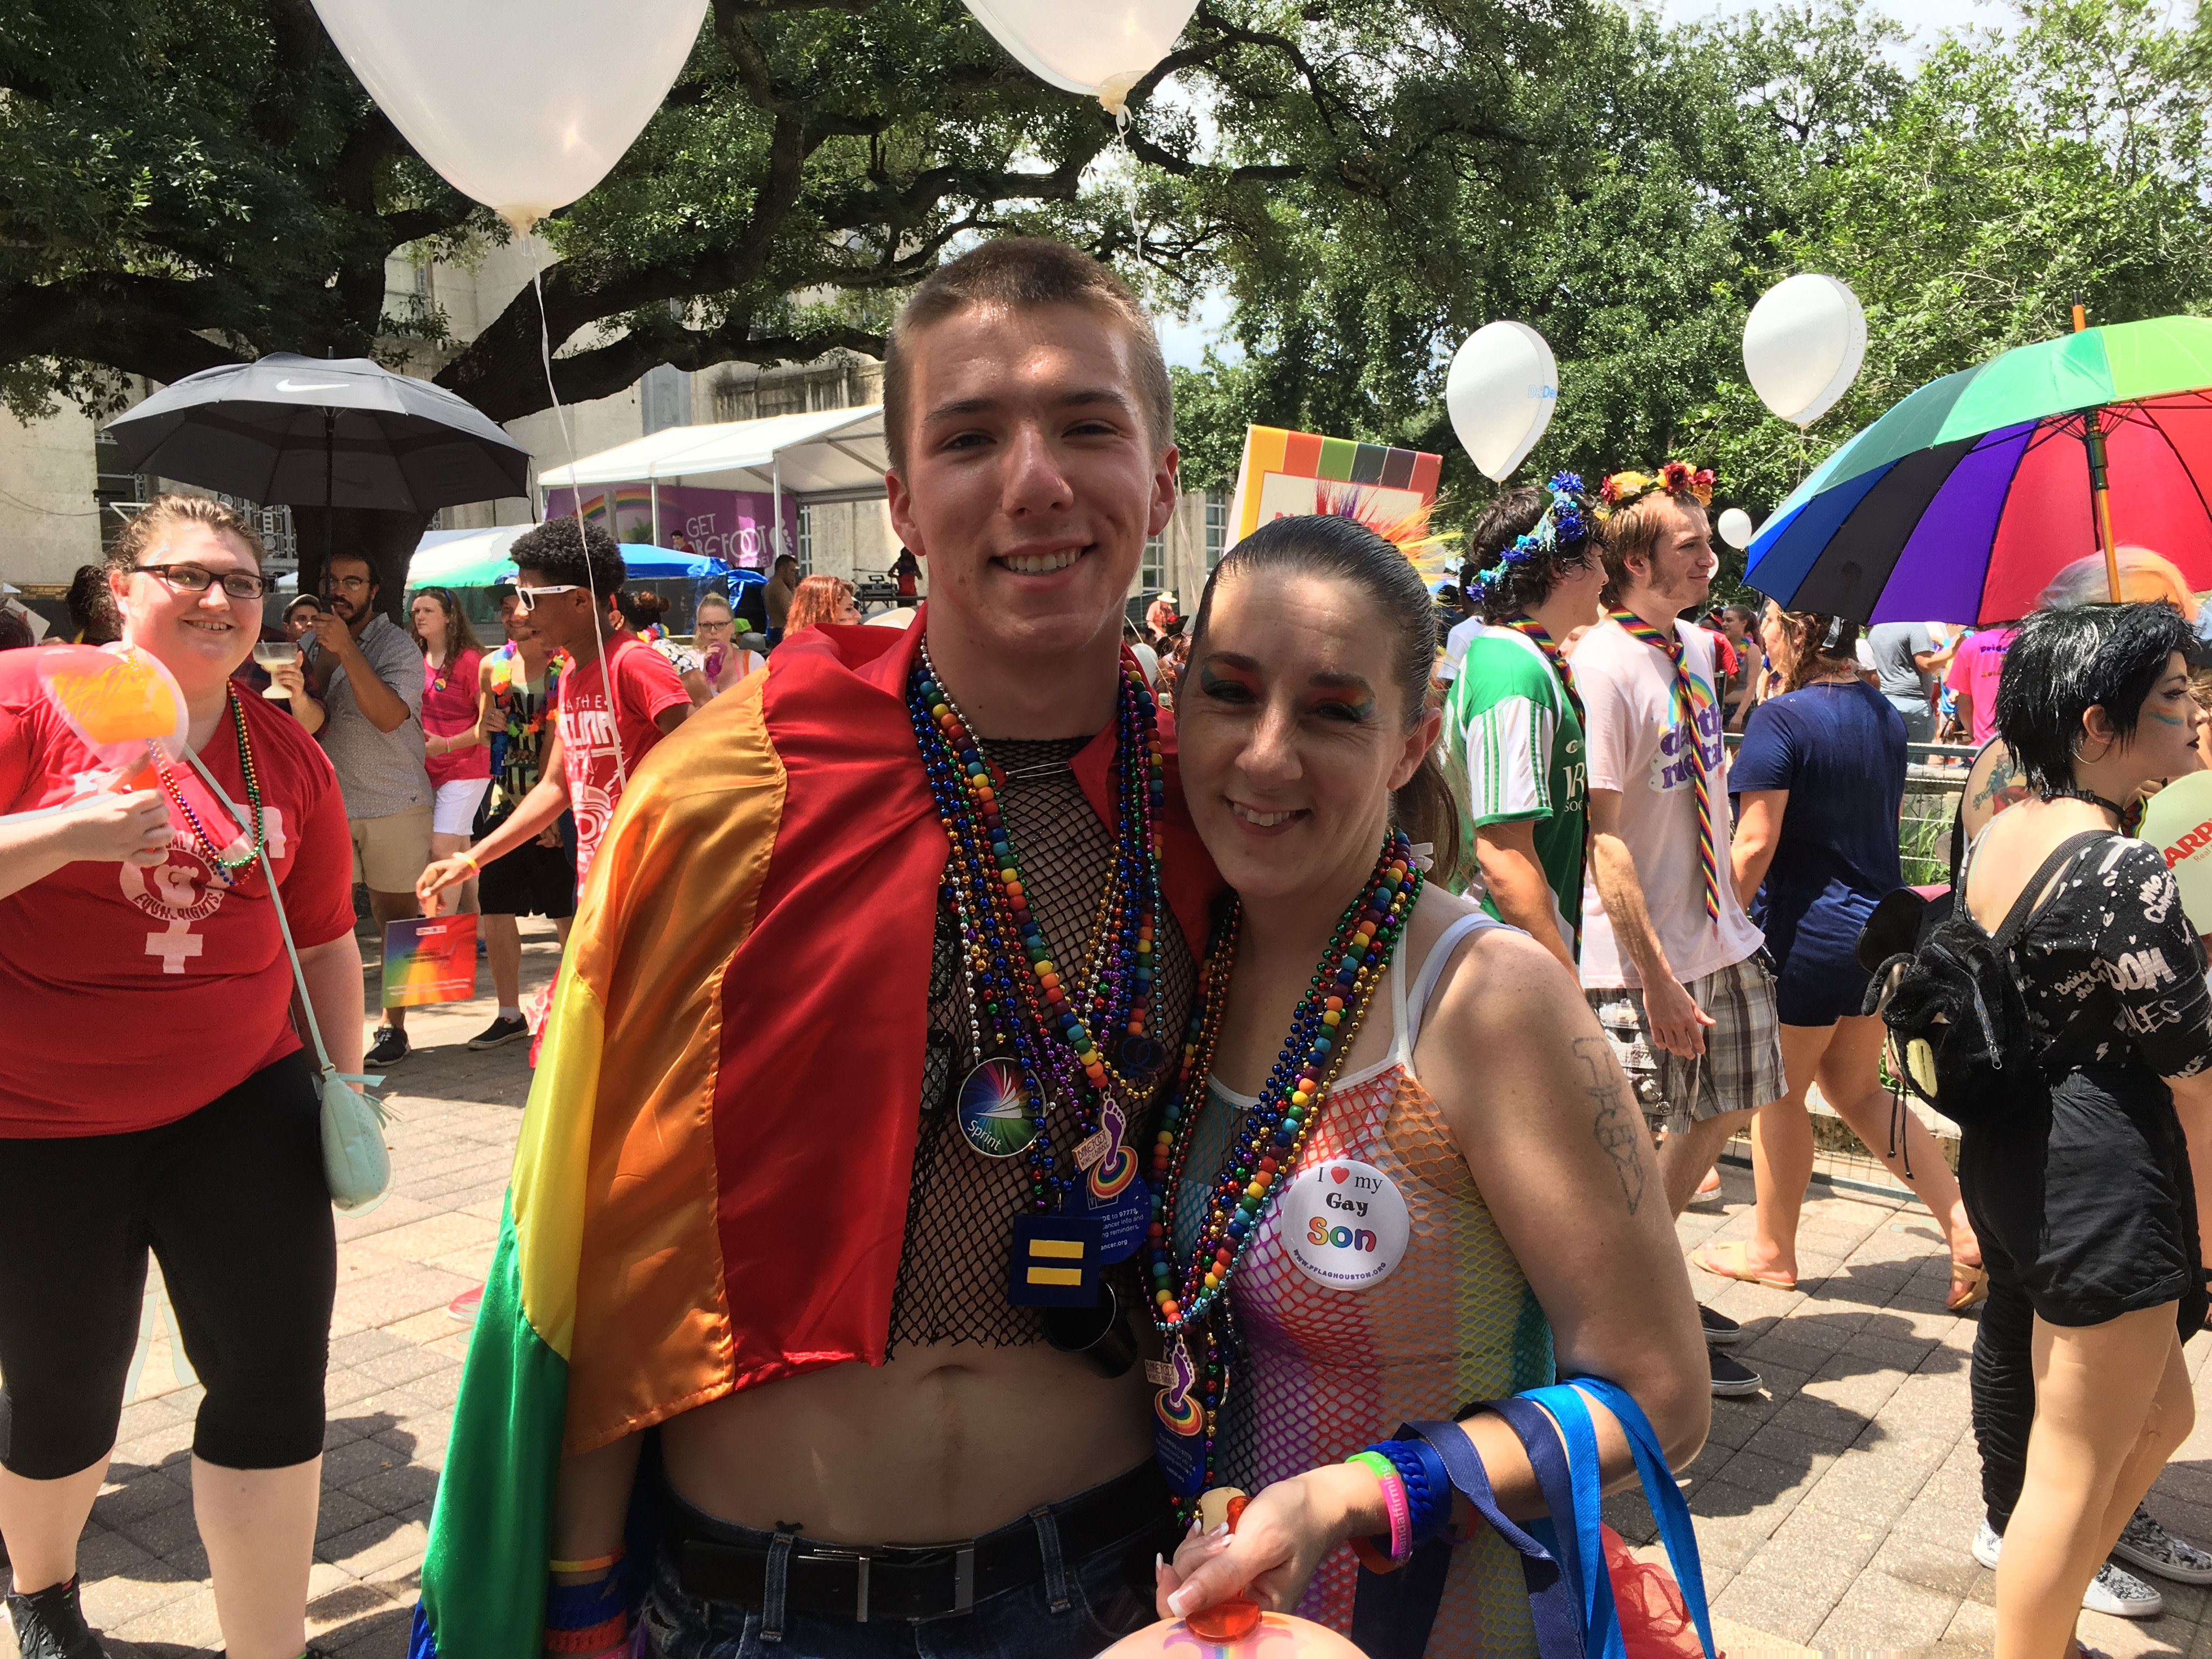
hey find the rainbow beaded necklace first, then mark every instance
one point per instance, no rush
(1055, 1026)
(1193, 1297)
(225, 868)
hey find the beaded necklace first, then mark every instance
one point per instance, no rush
(1193, 1297)
(1083, 1031)
(225, 868)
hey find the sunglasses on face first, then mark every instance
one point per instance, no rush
(195, 579)
(528, 597)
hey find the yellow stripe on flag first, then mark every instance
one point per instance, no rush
(546, 1192)
(1062, 1247)
(1055, 1275)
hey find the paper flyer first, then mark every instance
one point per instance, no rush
(429, 959)
(1284, 473)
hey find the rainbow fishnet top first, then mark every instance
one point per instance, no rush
(1327, 1371)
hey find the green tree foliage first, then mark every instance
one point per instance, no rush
(1969, 201)
(185, 182)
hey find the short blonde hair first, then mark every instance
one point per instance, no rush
(2086, 581)
(167, 512)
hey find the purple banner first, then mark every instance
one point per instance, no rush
(730, 525)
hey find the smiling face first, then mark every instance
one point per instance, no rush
(203, 637)
(1678, 573)
(1030, 482)
(1291, 733)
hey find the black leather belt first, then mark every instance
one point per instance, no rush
(720, 1562)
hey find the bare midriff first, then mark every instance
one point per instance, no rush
(944, 1441)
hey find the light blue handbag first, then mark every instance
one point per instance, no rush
(356, 1164)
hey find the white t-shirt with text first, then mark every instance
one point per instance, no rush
(1637, 746)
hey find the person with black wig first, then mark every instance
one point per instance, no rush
(2083, 1199)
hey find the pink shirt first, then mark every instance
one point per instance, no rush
(449, 708)
(1974, 673)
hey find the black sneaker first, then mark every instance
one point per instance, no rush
(50, 1624)
(1721, 1331)
(389, 1048)
(1732, 1377)
(507, 1028)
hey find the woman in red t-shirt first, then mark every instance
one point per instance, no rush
(153, 1092)
(454, 711)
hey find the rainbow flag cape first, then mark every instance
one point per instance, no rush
(720, 1062)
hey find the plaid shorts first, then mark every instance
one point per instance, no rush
(1741, 1067)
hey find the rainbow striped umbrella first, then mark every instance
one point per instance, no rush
(1961, 501)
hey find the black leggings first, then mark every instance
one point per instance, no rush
(232, 1200)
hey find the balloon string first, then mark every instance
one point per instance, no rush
(576, 500)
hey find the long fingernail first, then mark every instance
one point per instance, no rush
(1180, 1602)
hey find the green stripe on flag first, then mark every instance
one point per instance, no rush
(484, 1575)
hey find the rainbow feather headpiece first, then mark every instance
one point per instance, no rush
(1675, 477)
(1409, 533)
(1562, 522)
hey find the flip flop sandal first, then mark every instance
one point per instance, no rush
(1711, 1257)
(1970, 1287)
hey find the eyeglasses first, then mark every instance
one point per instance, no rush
(530, 596)
(194, 579)
(346, 584)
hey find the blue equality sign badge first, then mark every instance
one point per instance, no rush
(1055, 1261)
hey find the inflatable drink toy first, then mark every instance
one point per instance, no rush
(2178, 822)
(122, 704)
(1274, 1636)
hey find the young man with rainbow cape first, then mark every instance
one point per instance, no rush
(829, 1162)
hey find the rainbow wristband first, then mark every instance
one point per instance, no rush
(1395, 1506)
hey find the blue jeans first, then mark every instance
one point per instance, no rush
(1078, 1608)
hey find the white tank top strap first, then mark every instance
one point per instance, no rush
(1412, 1008)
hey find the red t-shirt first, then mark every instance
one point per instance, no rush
(644, 684)
(1976, 671)
(137, 995)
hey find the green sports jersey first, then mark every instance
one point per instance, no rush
(1513, 749)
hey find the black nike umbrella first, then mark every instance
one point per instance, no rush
(322, 432)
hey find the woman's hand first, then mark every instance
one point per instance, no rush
(290, 677)
(1280, 1538)
(132, 829)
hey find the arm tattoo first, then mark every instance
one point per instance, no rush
(1615, 1125)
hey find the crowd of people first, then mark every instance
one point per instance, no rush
(1254, 994)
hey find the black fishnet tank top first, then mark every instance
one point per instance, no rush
(961, 1206)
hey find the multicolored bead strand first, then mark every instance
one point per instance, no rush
(1192, 1299)
(225, 869)
(1051, 1017)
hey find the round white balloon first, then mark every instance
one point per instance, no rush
(524, 105)
(1102, 48)
(1501, 391)
(1736, 528)
(1802, 345)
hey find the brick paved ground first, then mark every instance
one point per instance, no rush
(1833, 1510)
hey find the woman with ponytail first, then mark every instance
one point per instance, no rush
(1818, 782)
(1399, 1169)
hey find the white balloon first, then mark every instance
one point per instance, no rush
(524, 105)
(1802, 345)
(1501, 391)
(1101, 47)
(1736, 528)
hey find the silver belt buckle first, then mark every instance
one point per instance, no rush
(859, 1556)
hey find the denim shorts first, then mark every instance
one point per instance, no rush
(1071, 1613)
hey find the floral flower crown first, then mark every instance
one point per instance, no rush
(1562, 522)
(1675, 477)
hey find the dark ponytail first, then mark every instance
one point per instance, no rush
(1327, 546)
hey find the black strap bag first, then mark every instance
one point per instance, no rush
(1960, 1039)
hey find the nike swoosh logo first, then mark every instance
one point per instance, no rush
(312, 386)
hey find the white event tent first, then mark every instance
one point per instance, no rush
(823, 455)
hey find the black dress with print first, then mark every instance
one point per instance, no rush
(2088, 1202)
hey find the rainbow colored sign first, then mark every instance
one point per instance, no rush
(1284, 474)
(431, 959)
